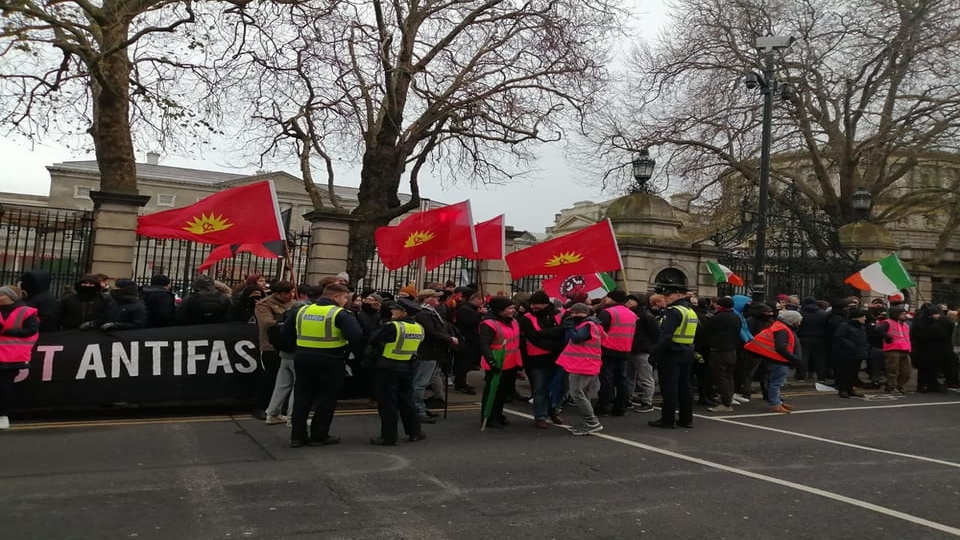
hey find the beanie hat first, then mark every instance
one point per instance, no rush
(10, 292)
(499, 303)
(161, 280)
(344, 276)
(126, 283)
(579, 307)
(725, 302)
(617, 296)
(539, 297)
(809, 301)
(790, 317)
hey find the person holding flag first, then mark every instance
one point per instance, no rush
(500, 355)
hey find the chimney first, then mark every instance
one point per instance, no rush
(153, 158)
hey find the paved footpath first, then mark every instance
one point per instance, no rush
(880, 469)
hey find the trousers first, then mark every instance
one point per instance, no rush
(422, 378)
(675, 389)
(640, 375)
(722, 367)
(318, 384)
(394, 393)
(283, 388)
(504, 386)
(7, 386)
(270, 364)
(614, 389)
(580, 388)
(898, 368)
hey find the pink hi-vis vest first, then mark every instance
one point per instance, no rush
(16, 350)
(584, 358)
(532, 349)
(507, 337)
(900, 333)
(623, 325)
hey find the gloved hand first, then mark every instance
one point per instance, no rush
(89, 325)
(109, 326)
(494, 367)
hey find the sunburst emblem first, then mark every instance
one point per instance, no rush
(206, 224)
(418, 238)
(561, 259)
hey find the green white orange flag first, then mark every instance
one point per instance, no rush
(886, 276)
(722, 274)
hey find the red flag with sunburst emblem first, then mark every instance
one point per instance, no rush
(242, 215)
(587, 251)
(443, 231)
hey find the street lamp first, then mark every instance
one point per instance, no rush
(862, 203)
(767, 83)
(642, 170)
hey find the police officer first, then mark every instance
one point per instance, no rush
(674, 355)
(396, 344)
(323, 332)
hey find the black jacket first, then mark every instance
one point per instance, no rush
(161, 306)
(720, 332)
(370, 320)
(815, 323)
(647, 334)
(37, 286)
(850, 341)
(128, 311)
(436, 344)
(666, 350)
(931, 340)
(205, 305)
(468, 322)
(387, 333)
(345, 321)
(87, 305)
(549, 338)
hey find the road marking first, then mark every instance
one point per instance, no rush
(777, 481)
(833, 441)
(833, 409)
(187, 420)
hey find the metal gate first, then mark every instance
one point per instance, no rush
(459, 270)
(57, 240)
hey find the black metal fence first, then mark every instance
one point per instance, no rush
(180, 259)
(945, 292)
(459, 270)
(57, 240)
(528, 284)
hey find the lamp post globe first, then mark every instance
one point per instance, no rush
(643, 166)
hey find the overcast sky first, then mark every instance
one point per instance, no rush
(529, 203)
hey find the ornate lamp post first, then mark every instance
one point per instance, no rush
(643, 166)
(862, 203)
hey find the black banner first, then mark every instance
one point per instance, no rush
(182, 363)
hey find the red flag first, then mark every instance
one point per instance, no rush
(587, 251)
(266, 250)
(490, 239)
(444, 231)
(241, 215)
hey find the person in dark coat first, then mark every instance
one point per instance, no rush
(639, 369)
(204, 305)
(813, 333)
(244, 303)
(761, 317)
(160, 302)
(932, 349)
(434, 352)
(128, 311)
(850, 349)
(36, 286)
(468, 317)
(720, 337)
(87, 308)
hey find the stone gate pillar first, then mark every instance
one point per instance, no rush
(329, 243)
(115, 236)
(494, 274)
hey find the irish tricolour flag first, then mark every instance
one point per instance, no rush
(886, 276)
(722, 274)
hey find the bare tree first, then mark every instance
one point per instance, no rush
(452, 84)
(75, 65)
(877, 94)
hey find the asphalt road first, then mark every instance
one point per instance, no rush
(873, 469)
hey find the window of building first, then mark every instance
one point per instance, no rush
(166, 200)
(81, 192)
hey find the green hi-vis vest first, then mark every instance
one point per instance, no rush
(409, 337)
(687, 329)
(316, 328)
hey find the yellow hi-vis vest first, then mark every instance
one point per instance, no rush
(409, 337)
(316, 328)
(686, 331)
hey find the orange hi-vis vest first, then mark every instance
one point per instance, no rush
(900, 333)
(584, 358)
(17, 350)
(532, 349)
(764, 345)
(507, 337)
(623, 326)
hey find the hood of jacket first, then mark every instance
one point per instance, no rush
(810, 308)
(36, 282)
(88, 278)
(125, 295)
(740, 302)
(203, 283)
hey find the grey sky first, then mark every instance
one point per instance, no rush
(529, 203)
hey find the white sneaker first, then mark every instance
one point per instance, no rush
(740, 399)
(275, 420)
(720, 408)
(4, 422)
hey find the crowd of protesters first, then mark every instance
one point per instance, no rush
(711, 351)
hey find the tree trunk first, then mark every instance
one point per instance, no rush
(378, 204)
(110, 129)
